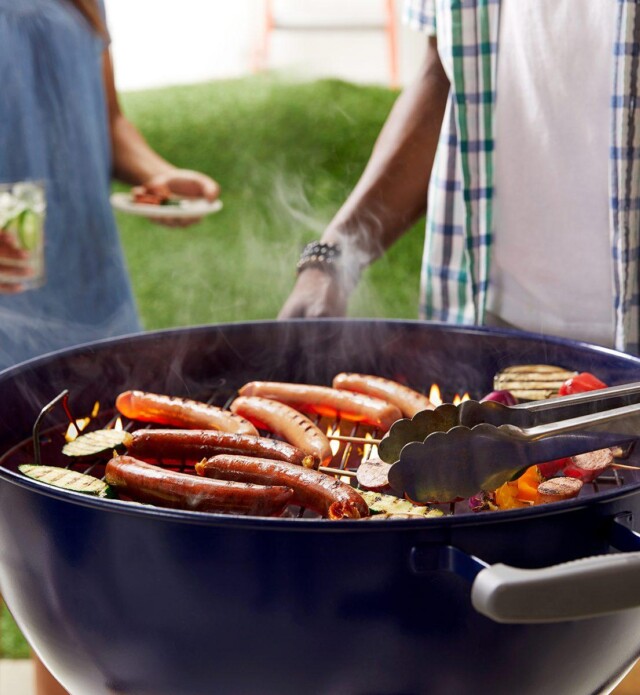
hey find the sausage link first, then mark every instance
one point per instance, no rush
(406, 399)
(180, 412)
(194, 445)
(323, 493)
(285, 422)
(327, 401)
(144, 482)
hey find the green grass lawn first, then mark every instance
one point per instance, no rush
(286, 155)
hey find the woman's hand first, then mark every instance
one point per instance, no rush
(13, 270)
(316, 294)
(186, 184)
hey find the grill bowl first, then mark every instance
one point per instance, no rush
(117, 598)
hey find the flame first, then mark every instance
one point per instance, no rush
(334, 443)
(434, 395)
(457, 399)
(74, 429)
(369, 450)
(436, 398)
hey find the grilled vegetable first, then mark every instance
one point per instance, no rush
(521, 492)
(550, 468)
(504, 397)
(531, 382)
(388, 504)
(95, 442)
(506, 497)
(528, 485)
(585, 381)
(68, 480)
(482, 502)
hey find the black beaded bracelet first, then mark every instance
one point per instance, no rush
(318, 254)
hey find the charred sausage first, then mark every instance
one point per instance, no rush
(587, 467)
(327, 401)
(406, 399)
(144, 482)
(194, 445)
(286, 422)
(557, 489)
(180, 412)
(373, 474)
(323, 493)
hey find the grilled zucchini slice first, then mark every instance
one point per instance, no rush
(96, 442)
(380, 503)
(68, 480)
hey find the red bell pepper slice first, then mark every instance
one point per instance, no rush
(585, 381)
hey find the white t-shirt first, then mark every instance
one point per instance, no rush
(552, 133)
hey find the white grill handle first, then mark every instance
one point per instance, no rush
(570, 591)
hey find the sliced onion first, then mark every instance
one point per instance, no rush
(504, 397)
(482, 501)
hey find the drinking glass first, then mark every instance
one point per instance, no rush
(22, 215)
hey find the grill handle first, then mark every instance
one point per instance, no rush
(574, 590)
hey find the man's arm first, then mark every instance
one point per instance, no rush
(389, 197)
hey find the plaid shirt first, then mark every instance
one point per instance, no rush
(456, 266)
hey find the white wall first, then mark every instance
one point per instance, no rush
(164, 42)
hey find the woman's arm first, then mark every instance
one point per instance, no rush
(135, 162)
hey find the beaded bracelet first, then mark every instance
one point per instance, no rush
(318, 254)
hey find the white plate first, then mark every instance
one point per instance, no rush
(186, 208)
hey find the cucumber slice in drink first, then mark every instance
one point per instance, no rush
(29, 230)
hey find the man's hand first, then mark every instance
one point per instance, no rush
(389, 197)
(316, 294)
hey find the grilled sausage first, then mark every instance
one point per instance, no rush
(144, 482)
(373, 474)
(194, 445)
(587, 467)
(180, 412)
(406, 399)
(557, 489)
(292, 426)
(324, 400)
(323, 493)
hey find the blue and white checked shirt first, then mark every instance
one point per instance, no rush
(456, 265)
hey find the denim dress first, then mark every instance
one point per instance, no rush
(54, 128)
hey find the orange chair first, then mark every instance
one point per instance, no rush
(271, 23)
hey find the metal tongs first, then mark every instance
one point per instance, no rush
(457, 451)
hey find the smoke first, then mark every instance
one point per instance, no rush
(297, 221)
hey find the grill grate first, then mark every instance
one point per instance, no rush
(45, 446)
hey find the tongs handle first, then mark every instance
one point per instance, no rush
(581, 434)
(536, 413)
(598, 400)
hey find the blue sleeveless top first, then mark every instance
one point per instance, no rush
(54, 127)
